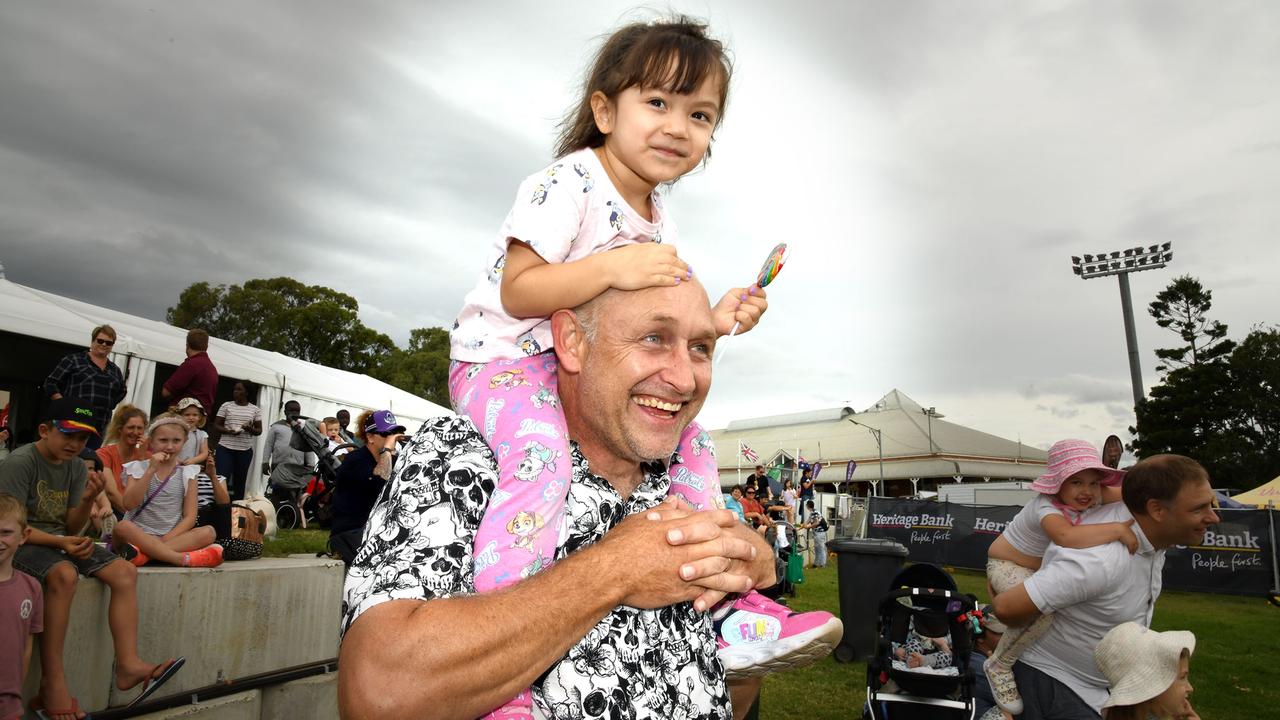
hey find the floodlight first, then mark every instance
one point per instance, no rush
(1120, 263)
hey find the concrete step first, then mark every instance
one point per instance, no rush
(239, 619)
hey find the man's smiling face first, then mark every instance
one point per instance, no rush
(648, 370)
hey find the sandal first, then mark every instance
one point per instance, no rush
(151, 684)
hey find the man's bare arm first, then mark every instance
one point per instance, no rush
(1014, 607)
(463, 656)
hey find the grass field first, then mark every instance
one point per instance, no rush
(290, 542)
(1236, 668)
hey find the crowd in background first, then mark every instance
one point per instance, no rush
(106, 489)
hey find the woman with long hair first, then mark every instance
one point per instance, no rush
(123, 444)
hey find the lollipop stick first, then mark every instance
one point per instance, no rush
(724, 348)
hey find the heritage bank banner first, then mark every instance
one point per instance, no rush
(1235, 557)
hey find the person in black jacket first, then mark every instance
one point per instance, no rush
(361, 477)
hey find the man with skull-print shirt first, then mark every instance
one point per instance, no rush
(616, 625)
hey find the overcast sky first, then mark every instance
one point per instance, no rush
(933, 166)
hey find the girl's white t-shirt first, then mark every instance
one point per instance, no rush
(565, 212)
(192, 446)
(1025, 533)
(165, 510)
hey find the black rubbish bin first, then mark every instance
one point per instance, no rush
(865, 567)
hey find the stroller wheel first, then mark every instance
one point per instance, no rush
(286, 517)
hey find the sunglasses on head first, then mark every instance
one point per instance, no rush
(104, 342)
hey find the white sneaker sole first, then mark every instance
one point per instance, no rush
(751, 661)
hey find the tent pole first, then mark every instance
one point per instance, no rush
(1275, 572)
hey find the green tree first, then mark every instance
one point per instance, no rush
(1216, 401)
(309, 322)
(422, 368)
(1182, 307)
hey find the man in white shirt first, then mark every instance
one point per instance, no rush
(1092, 590)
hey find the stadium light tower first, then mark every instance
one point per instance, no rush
(1120, 263)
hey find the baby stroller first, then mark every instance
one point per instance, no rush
(308, 504)
(922, 603)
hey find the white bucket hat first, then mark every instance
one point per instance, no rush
(1140, 663)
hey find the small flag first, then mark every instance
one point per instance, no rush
(747, 453)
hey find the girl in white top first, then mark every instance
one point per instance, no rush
(791, 498)
(1075, 484)
(196, 450)
(160, 497)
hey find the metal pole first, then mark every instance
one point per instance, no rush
(880, 444)
(1131, 338)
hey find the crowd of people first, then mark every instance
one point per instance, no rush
(105, 490)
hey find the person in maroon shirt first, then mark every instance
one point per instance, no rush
(196, 377)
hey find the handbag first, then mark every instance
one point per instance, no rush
(247, 528)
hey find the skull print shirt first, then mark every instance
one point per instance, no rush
(633, 664)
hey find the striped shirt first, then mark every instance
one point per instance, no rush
(204, 489)
(75, 376)
(238, 416)
(165, 509)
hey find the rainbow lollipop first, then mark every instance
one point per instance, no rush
(768, 273)
(772, 266)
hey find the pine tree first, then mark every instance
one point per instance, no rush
(1182, 307)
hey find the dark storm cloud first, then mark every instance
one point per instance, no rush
(189, 143)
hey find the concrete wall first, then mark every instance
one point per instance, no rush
(240, 619)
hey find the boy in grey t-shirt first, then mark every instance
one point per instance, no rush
(49, 479)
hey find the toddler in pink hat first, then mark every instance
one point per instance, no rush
(1075, 483)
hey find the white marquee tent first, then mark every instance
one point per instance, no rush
(142, 343)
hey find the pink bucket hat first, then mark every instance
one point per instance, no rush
(1068, 457)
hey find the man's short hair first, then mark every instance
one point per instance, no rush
(197, 340)
(1159, 477)
(102, 330)
(12, 509)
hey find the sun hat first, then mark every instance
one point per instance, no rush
(1140, 663)
(187, 402)
(1068, 457)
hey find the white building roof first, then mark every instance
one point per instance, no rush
(914, 445)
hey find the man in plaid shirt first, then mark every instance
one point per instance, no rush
(91, 377)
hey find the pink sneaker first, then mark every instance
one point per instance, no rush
(756, 636)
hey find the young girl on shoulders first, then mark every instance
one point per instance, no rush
(160, 496)
(592, 221)
(1074, 487)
